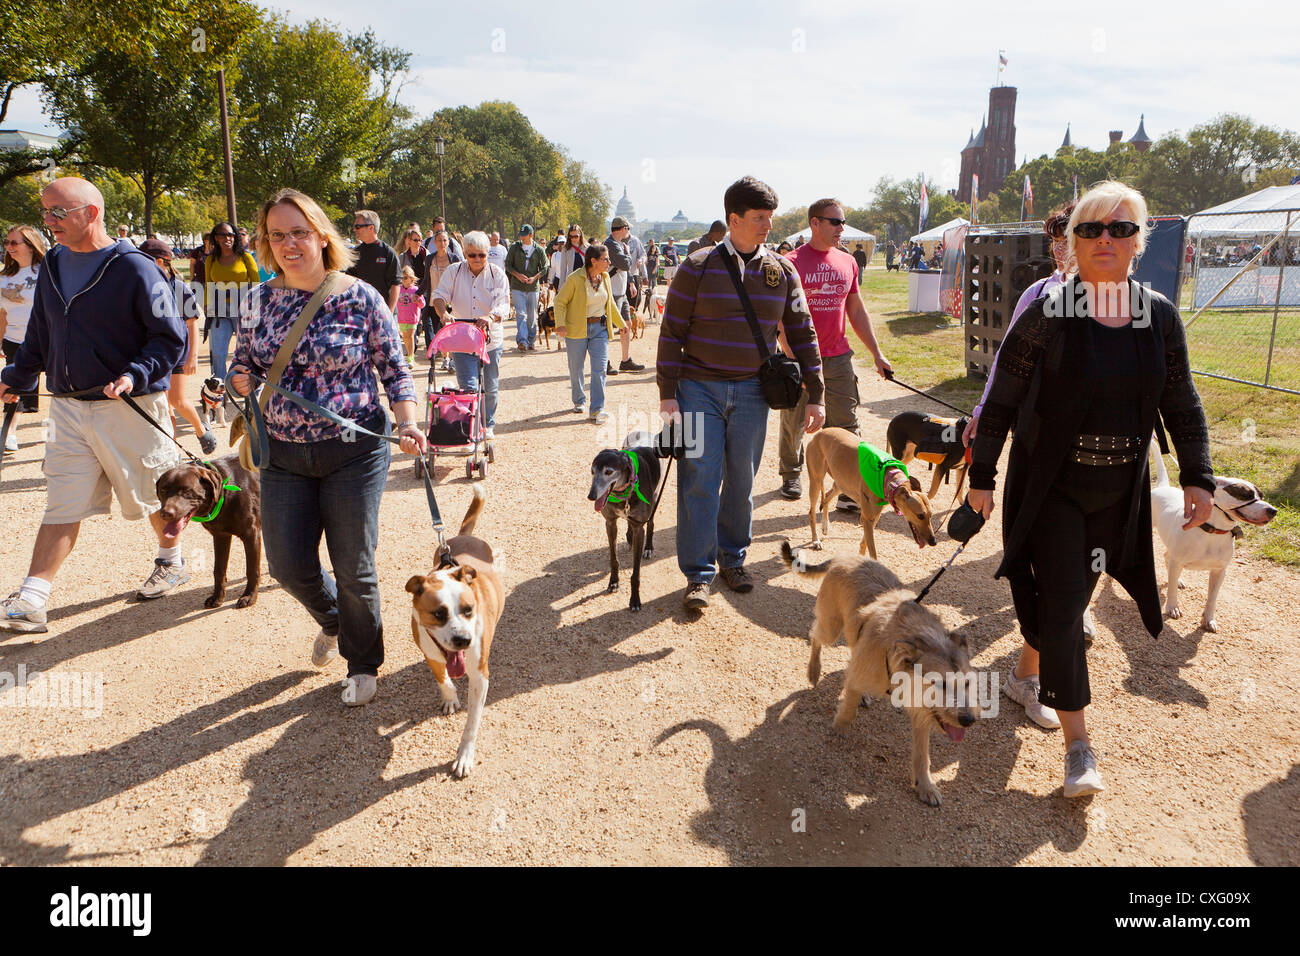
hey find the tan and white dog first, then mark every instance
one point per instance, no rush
(454, 614)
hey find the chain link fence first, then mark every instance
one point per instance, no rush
(1241, 297)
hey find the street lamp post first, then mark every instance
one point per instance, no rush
(440, 147)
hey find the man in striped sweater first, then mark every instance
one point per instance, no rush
(707, 372)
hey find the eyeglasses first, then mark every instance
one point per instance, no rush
(275, 236)
(833, 222)
(362, 225)
(225, 235)
(1120, 229)
(15, 242)
(476, 255)
(58, 212)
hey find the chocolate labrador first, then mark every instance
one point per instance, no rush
(226, 499)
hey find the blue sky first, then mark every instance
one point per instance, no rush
(674, 99)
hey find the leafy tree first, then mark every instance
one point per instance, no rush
(20, 203)
(310, 119)
(1217, 161)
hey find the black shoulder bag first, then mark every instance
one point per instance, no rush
(779, 376)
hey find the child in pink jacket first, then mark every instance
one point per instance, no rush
(409, 306)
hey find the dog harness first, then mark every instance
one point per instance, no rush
(872, 463)
(632, 489)
(221, 499)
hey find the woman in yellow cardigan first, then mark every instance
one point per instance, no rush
(585, 309)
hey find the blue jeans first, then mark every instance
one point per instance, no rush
(219, 336)
(466, 367)
(730, 423)
(596, 344)
(331, 487)
(525, 306)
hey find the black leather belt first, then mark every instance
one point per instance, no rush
(1101, 458)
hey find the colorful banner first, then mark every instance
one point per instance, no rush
(974, 198)
(954, 264)
(925, 207)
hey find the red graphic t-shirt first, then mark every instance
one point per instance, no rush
(828, 278)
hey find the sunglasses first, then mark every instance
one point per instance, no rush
(833, 222)
(15, 242)
(225, 235)
(1120, 229)
(58, 212)
(361, 225)
(476, 255)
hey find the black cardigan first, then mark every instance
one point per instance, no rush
(1044, 383)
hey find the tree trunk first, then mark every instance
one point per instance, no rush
(148, 203)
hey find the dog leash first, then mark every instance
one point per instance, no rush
(889, 375)
(12, 408)
(964, 524)
(259, 445)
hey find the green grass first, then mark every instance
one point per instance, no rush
(1254, 432)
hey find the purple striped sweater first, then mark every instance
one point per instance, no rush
(705, 335)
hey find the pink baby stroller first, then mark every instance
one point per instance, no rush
(455, 418)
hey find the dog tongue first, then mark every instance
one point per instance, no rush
(173, 528)
(955, 734)
(456, 664)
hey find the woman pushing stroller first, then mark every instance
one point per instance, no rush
(477, 291)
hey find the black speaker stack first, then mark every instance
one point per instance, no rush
(999, 266)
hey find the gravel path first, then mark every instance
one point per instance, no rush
(612, 737)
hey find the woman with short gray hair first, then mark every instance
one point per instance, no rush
(477, 291)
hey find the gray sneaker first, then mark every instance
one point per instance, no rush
(165, 577)
(1024, 691)
(21, 616)
(1081, 776)
(324, 649)
(359, 689)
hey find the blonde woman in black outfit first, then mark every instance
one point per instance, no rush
(1081, 377)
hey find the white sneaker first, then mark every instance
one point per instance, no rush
(359, 689)
(490, 433)
(324, 649)
(21, 616)
(1024, 691)
(11, 442)
(1081, 776)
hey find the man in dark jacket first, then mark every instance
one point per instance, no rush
(715, 235)
(104, 321)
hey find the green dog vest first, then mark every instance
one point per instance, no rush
(872, 463)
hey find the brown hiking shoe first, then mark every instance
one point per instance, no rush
(696, 597)
(737, 579)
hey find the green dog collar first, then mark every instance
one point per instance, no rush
(221, 499)
(634, 489)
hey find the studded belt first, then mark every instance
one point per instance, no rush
(1100, 458)
(1107, 443)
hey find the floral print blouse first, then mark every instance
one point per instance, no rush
(352, 338)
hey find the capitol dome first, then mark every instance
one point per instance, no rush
(680, 217)
(625, 208)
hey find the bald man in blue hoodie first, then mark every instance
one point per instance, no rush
(104, 323)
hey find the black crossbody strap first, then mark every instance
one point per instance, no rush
(732, 271)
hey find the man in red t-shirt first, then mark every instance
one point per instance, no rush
(830, 283)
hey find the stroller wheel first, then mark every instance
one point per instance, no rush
(491, 452)
(469, 470)
(482, 469)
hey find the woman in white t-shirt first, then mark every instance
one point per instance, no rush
(24, 253)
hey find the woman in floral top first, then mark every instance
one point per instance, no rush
(320, 479)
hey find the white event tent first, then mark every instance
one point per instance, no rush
(936, 233)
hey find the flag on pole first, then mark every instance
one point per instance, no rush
(1076, 187)
(925, 206)
(974, 198)
(1027, 196)
(1002, 60)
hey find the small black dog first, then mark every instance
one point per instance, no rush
(546, 324)
(623, 485)
(213, 397)
(936, 440)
